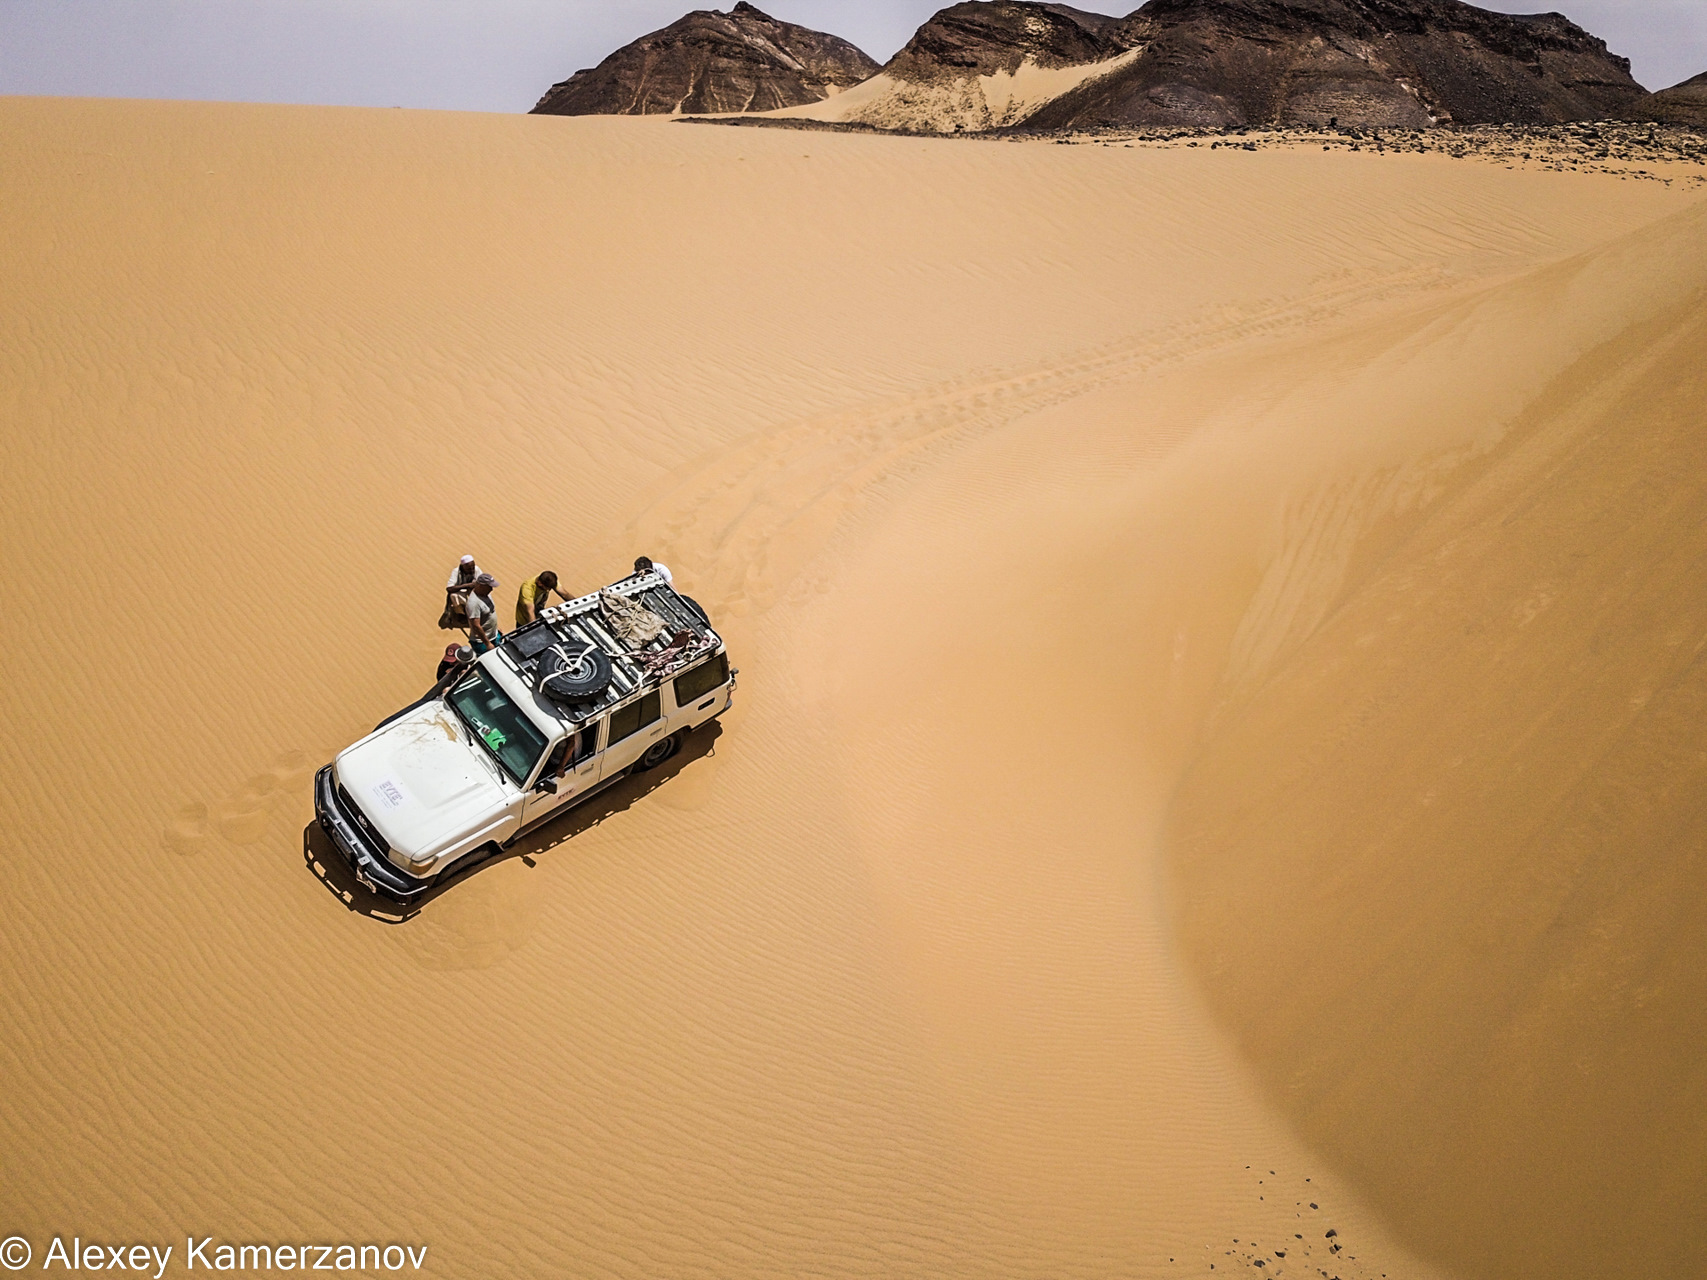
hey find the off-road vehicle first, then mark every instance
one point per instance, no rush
(595, 689)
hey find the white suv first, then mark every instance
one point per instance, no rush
(562, 709)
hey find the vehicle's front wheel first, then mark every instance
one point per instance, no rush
(659, 752)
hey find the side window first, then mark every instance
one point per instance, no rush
(587, 742)
(554, 766)
(634, 717)
(701, 680)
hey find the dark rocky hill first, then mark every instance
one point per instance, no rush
(981, 38)
(743, 60)
(1403, 63)
(1406, 63)
(1684, 103)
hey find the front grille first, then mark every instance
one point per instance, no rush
(354, 815)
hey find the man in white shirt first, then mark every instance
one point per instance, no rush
(462, 577)
(644, 565)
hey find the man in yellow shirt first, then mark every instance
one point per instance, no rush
(535, 595)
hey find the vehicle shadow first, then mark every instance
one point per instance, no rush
(334, 873)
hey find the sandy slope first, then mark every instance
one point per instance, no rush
(1445, 852)
(953, 104)
(1029, 481)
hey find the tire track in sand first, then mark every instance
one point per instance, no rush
(752, 516)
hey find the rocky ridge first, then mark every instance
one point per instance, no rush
(1684, 104)
(1001, 35)
(1387, 63)
(990, 64)
(712, 62)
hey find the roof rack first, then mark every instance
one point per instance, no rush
(581, 621)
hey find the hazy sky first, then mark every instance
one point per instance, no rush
(500, 55)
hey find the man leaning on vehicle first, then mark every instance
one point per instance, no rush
(535, 595)
(483, 614)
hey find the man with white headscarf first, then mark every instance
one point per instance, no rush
(460, 583)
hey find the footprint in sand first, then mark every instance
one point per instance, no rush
(246, 815)
(242, 818)
(187, 833)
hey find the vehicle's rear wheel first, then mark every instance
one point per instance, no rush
(693, 604)
(659, 752)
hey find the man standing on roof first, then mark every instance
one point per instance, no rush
(460, 583)
(643, 565)
(483, 614)
(535, 595)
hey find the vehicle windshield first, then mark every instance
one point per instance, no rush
(498, 723)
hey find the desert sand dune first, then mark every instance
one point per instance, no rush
(1453, 803)
(1031, 484)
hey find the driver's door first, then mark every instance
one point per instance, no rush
(575, 765)
(548, 791)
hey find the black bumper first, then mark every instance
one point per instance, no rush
(368, 864)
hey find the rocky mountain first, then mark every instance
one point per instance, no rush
(1684, 103)
(984, 38)
(1406, 63)
(708, 61)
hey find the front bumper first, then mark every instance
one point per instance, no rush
(368, 864)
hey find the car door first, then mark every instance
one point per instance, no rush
(587, 759)
(633, 728)
(576, 764)
(542, 798)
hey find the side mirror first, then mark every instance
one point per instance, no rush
(547, 785)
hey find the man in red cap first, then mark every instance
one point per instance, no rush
(456, 655)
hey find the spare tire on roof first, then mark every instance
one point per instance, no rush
(573, 673)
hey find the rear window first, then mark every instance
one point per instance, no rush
(708, 675)
(634, 717)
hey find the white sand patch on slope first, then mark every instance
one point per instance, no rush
(969, 103)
